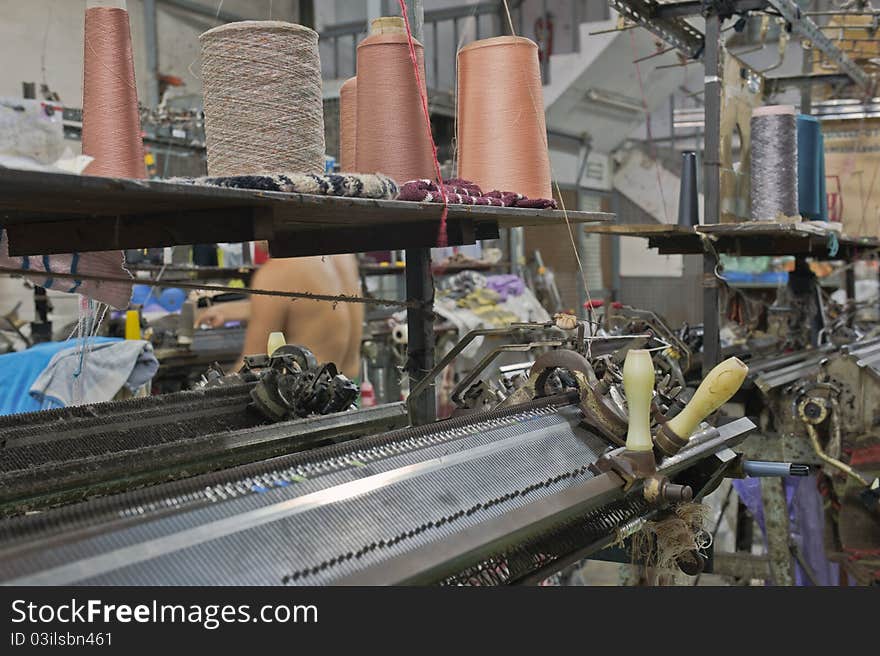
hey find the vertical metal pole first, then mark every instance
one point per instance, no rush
(374, 10)
(354, 53)
(420, 286)
(851, 289)
(581, 240)
(416, 11)
(712, 187)
(306, 13)
(41, 327)
(151, 37)
(778, 532)
(435, 56)
(545, 44)
(614, 244)
(807, 89)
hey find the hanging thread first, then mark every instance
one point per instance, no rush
(348, 126)
(335, 299)
(264, 108)
(501, 137)
(538, 108)
(111, 131)
(774, 177)
(394, 123)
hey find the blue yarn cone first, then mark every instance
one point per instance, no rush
(810, 167)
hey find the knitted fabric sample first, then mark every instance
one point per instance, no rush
(351, 185)
(464, 192)
(41, 267)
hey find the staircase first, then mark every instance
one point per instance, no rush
(597, 90)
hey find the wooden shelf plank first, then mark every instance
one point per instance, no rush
(56, 213)
(750, 238)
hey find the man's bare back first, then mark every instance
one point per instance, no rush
(333, 335)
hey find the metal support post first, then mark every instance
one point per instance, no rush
(712, 187)
(778, 539)
(151, 39)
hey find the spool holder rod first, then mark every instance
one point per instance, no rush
(712, 187)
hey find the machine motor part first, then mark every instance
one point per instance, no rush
(291, 384)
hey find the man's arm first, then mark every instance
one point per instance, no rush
(217, 315)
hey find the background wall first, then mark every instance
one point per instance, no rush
(43, 42)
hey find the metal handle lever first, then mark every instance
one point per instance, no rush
(761, 468)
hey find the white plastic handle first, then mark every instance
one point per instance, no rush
(638, 384)
(276, 341)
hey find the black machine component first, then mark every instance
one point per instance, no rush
(292, 384)
(41, 329)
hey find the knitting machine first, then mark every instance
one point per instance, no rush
(820, 407)
(578, 455)
(273, 406)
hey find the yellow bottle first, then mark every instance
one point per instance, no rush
(132, 325)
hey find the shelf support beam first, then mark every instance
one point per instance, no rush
(420, 286)
(802, 25)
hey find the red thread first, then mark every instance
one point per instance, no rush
(441, 237)
(861, 554)
(865, 456)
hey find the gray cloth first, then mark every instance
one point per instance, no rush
(106, 368)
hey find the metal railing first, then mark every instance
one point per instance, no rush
(489, 19)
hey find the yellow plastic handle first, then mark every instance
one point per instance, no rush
(638, 384)
(716, 389)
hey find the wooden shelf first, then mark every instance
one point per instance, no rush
(753, 238)
(56, 213)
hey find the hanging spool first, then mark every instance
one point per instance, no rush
(502, 136)
(391, 134)
(348, 125)
(774, 170)
(111, 131)
(264, 108)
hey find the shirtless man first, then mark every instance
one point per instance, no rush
(333, 335)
